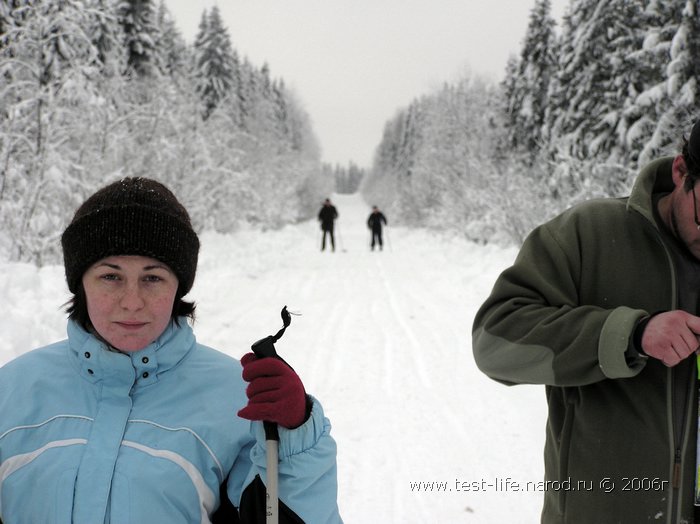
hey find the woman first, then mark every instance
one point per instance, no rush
(130, 419)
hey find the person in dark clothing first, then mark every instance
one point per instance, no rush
(602, 307)
(374, 222)
(327, 217)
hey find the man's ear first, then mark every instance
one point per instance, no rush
(679, 170)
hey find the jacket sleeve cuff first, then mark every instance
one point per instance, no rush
(297, 440)
(614, 357)
(307, 467)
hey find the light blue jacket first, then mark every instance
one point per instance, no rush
(92, 436)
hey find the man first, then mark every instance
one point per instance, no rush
(327, 216)
(601, 307)
(374, 222)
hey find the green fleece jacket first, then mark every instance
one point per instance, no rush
(621, 431)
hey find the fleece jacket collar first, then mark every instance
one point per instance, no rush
(655, 177)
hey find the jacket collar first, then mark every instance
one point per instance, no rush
(98, 363)
(655, 177)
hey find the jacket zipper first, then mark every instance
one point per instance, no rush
(676, 481)
(681, 398)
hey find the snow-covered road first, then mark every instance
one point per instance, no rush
(384, 342)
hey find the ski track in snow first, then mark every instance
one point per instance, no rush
(383, 340)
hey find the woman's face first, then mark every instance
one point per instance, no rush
(129, 300)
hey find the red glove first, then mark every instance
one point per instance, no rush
(275, 392)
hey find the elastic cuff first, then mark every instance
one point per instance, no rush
(309, 405)
(297, 440)
(614, 344)
(639, 332)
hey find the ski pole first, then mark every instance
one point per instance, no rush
(265, 347)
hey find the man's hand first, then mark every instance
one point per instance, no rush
(671, 336)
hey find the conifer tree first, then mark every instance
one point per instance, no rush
(593, 78)
(510, 100)
(170, 45)
(642, 108)
(107, 36)
(281, 110)
(215, 61)
(137, 18)
(246, 90)
(677, 108)
(265, 115)
(529, 81)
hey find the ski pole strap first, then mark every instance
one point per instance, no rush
(286, 320)
(265, 347)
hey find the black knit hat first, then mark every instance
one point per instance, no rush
(694, 144)
(134, 216)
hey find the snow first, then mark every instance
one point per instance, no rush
(383, 340)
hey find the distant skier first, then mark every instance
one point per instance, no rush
(327, 217)
(374, 222)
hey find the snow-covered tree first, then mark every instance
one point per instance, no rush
(675, 99)
(641, 112)
(436, 166)
(137, 18)
(70, 121)
(595, 78)
(347, 179)
(170, 45)
(216, 62)
(43, 130)
(107, 36)
(527, 81)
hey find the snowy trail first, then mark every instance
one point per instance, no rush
(383, 341)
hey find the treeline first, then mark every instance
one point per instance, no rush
(347, 179)
(577, 113)
(94, 90)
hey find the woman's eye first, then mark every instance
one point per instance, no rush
(109, 277)
(152, 278)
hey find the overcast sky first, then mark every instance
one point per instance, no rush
(354, 63)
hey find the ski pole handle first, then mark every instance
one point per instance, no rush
(264, 348)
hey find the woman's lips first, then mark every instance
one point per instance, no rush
(131, 325)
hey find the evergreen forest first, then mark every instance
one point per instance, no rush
(95, 90)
